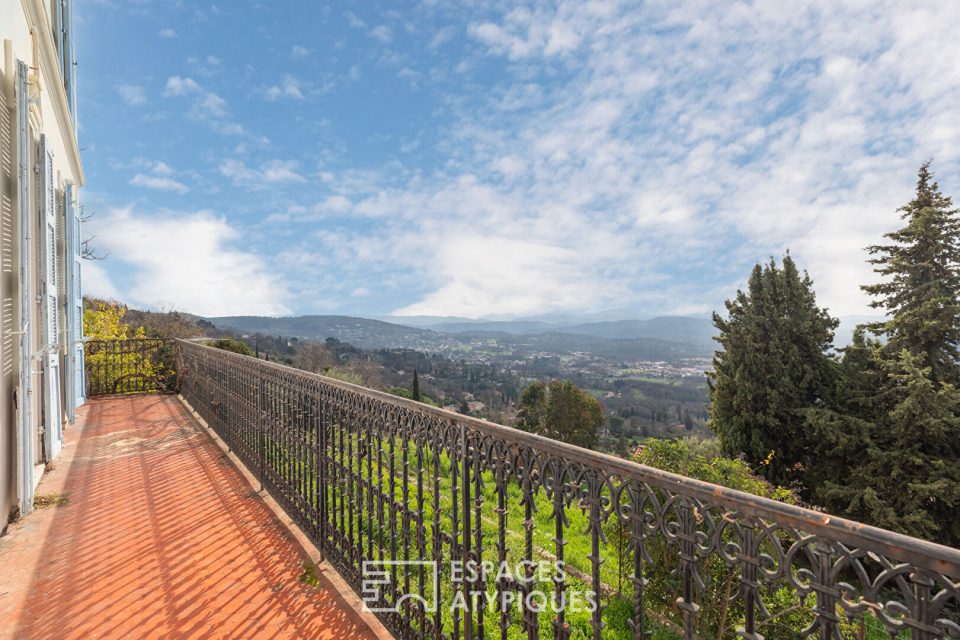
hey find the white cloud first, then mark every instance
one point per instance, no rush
(187, 261)
(177, 86)
(159, 183)
(354, 21)
(273, 172)
(299, 52)
(684, 142)
(288, 88)
(205, 65)
(162, 169)
(96, 282)
(132, 95)
(167, 33)
(382, 34)
(483, 273)
(159, 176)
(207, 106)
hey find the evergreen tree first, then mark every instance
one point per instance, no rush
(890, 450)
(416, 387)
(772, 366)
(920, 291)
(902, 471)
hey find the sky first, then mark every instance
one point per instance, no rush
(502, 159)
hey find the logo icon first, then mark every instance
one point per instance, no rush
(383, 579)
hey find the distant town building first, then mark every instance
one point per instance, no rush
(41, 306)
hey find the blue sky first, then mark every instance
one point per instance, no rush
(502, 159)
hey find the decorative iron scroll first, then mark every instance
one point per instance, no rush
(138, 365)
(377, 480)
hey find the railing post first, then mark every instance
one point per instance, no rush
(465, 555)
(595, 488)
(922, 586)
(748, 580)
(531, 611)
(561, 630)
(637, 544)
(320, 490)
(261, 425)
(688, 560)
(826, 591)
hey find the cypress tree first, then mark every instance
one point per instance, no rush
(771, 367)
(416, 387)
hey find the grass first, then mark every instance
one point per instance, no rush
(373, 501)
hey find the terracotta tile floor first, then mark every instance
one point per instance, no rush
(160, 537)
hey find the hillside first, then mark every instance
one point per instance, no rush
(362, 332)
(695, 331)
(660, 339)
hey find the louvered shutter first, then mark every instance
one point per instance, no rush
(67, 57)
(53, 417)
(24, 393)
(74, 306)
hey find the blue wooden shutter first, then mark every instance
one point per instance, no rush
(24, 394)
(74, 305)
(53, 416)
(67, 55)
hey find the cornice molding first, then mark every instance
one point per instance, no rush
(36, 12)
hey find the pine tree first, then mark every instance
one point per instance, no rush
(902, 471)
(773, 365)
(920, 291)
(890, 451)
(416, 387)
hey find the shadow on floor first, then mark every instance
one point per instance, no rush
(162, 538)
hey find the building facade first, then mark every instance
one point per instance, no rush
(41, 308)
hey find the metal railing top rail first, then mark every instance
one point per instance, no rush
(920, 553)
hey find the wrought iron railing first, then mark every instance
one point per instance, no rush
(375, 480)
(139, 365)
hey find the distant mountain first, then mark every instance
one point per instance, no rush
(695, 331)
(361, 332)
(422, 322)
(614, 349)
(515, 327)
(657, 339)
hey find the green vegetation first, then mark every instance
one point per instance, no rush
(772, 364)
(231, 344)
(873, 435)
(130, 370)
(373, 479)
(415, 391)
(562, 411)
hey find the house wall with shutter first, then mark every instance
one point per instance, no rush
(40, 176)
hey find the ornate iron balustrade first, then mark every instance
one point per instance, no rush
(374, 479)
(139, 365)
